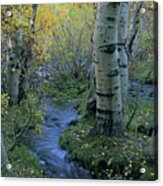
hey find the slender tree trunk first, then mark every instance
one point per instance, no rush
(13, 78)
(108, 92)
(14, 69)
(134, 30)
(4, 158)
(14, 66)
(23, 80)
(26, 58)
(123, 58)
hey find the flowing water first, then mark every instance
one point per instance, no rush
(141, 92)
(56, 162)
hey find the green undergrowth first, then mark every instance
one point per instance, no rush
(70, 89)
(111, 157)
(142, 72)
(16, 122)
(74, 90)
(144, 115)
(24, 164)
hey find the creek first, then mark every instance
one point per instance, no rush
(56, 162)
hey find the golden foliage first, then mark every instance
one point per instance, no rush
(49, 19)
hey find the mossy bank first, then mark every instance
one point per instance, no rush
(111, 157)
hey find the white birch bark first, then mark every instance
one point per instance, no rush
(108, 92)
(13, 74)
(14, 65)
(123, 58)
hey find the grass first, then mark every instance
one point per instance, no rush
(24, 164)
(110, 157)
(16, 121)
(144, 115)
(142, 72)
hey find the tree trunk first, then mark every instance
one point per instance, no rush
(123, 58)
(4, 158)
(14, 66)
(26, 58)
(134, 30)
(13, 79)
(23, 79)
(108, 92)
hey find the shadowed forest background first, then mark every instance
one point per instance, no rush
(79, 90)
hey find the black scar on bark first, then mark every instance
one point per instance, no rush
(105, 95)
(111, 19)
(122, 65)
(120, 112)
(110, 27)
(114, 4)
(114, 73)
(11, 58)
(116, 87)
(96, 61)
(122, 23)
(100, 118)
(121, 44)
(91, 38)
(108, 48)
(107, 112)
(119, 49)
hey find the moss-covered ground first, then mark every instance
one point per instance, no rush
(111, 157)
